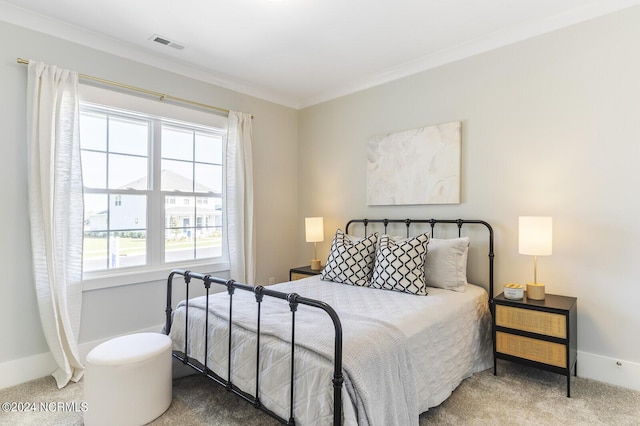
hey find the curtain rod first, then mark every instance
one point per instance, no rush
(161, 96)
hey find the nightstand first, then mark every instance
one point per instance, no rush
(302, 272)
(538, 333)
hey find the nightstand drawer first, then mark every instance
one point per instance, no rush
(297, 276)
(302, 272)
(545, 323)
(532, 349)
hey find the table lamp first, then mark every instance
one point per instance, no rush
(535, 239)
(314, 230)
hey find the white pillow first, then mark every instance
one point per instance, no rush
(350, 259)
(446, 263)
(400, 264)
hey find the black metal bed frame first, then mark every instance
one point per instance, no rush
(259, 291)
(432, 223)
(294, 300)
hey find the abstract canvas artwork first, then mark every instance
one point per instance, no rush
(418, 166)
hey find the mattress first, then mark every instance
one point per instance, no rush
(446, 337)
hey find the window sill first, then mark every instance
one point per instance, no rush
(101, 280)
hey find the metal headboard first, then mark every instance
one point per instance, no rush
(432, 223)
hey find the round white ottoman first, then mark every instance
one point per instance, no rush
(127, 380)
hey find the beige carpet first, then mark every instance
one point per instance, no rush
(517, 396)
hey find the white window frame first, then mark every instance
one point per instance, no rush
(156, 269)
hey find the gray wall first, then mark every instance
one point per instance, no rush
(109, 312)
(551, 126)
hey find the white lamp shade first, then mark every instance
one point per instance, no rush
(535, 235)
(314, 229)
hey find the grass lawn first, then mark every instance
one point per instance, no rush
(97, 247)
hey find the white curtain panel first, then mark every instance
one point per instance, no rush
(56, 210)
(239, 197)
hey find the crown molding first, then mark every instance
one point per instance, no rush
(485, 43)
(474, 47)
(62, 30)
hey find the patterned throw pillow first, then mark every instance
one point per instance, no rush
(400, 264)
(350, 260)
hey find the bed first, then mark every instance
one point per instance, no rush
(320, 351)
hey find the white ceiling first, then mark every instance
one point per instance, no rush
(300, 52)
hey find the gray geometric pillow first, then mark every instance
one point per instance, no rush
(350, 260)
(400, 265)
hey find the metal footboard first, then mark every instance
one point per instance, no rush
(260, 292)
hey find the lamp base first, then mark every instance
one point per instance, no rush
(535, 291)
(315, 265)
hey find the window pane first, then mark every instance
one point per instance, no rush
(95, 213)
(127, 249)
(177, 250)
(177, 143)
(127, 212)
(94, 170)
(179, 233)
(208, 243)
(94, 252)
(94, 255)
(208, 148)
(208, 227)
(177, 176)
(208, 212)
(179, 215)
(208, 178)
(128, 136)
(93, 131)
(126, 172)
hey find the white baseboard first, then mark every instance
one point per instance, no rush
(25, 369)
(591, 366)
(609, 370)
(33, 367)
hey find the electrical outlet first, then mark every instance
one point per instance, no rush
(272, 280)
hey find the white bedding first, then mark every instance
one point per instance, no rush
(446, 335)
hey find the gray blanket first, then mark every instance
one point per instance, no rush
(376, 362)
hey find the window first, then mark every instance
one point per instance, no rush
(191, 162)
(153, 191)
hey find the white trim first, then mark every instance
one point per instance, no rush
(56, 28)
(590, 366)
(521, 31)
(136, 103)
(606, 369)
(33, 367)
(481, 44)
(107, 279)
(22, 370)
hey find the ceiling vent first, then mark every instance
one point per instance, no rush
(166, 42)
